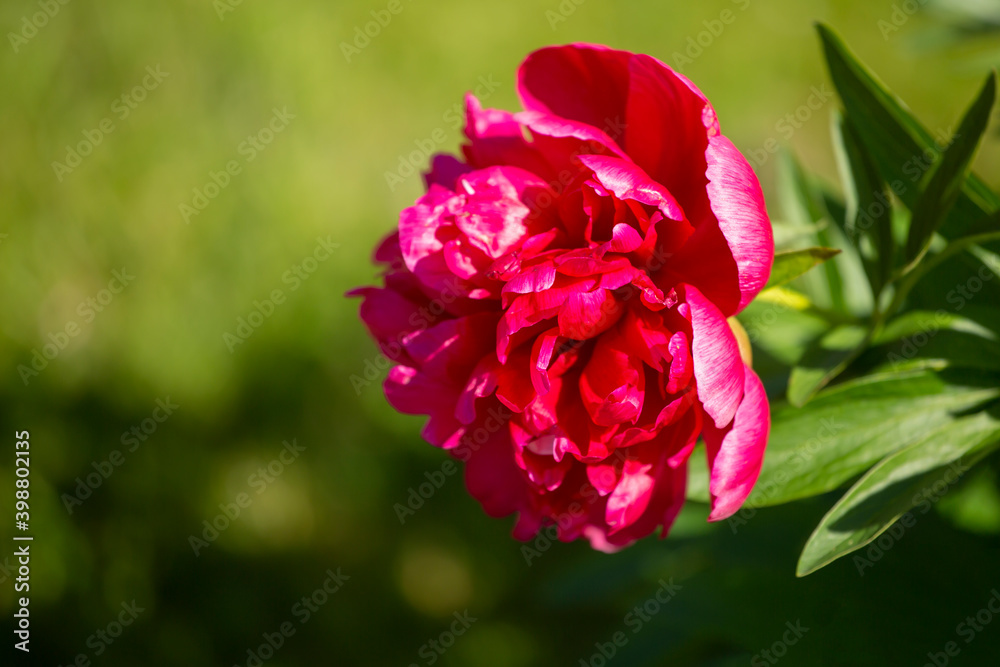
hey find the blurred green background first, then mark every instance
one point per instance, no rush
(225, 68)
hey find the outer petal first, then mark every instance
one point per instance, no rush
(445, 170)
(414, 393)
(718, 368)
(387, 315)
(738, 203)
(736, 454)
(582, 82)
(669, 122)
(496, 138)
(492, 476)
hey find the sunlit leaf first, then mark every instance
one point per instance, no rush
(915, 475)
(945, 181)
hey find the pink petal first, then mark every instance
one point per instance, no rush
(706, 261)
(589, 314)
(681, 367)
(492, 476)
(415, 393)
(632, 494)
(647, 337)
(736, 453)
(445, 170)
(388, 317)
(496, 138)
(669, 122)
(628, 181)
(582, 82)
(738, 203)
(718, 368)
(612, 385)
(534, 279)
(482, 383)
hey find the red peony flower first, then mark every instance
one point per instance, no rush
(557, 301)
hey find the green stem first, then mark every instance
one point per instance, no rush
(908, 280)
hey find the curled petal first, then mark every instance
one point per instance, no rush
(718, 368)
(736, 453)
(738, 203)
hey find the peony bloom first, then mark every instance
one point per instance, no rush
(557, 301)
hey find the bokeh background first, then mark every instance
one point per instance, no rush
(308, 373)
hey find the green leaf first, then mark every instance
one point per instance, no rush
(910, 477)
(938, 340)
(944, 348)
(945, 182)
(788, 234)
(824, 360)
(847, 428)
(793, 263)
(869, 209)
(925, 321)
(803, 204)
(895, 140)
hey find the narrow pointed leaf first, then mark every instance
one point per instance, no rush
(945, 181)
(896, 141)
(802, 203)
(869, 209)
(791, 264)
(917, 322)
(825, 359)
(910, 477)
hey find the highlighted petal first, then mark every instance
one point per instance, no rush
(735, 454)
(738, 203)
(718, 368)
